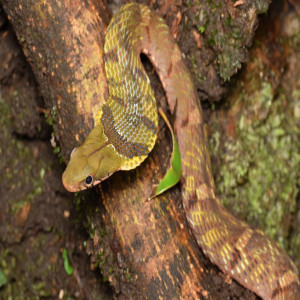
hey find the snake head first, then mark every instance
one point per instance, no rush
(91, 163)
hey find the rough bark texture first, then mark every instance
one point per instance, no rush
(145, 249)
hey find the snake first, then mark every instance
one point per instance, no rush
(125, 132)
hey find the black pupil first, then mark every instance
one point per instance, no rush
(89, 180)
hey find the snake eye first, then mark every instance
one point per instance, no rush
(89, 181)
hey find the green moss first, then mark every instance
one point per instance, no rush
(3, 279)
(101, 261)
(20, 289)
(51, 116)
(51, 119)
(4, 267)
(201, 29)
(261, 6)
(226, 42)
(23, 176)
(224, 34)
(196, 72)
(260, 168)
(20, 163)
(128, 275)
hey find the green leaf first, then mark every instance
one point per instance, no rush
(3, 279)
(69, 270)
(173, 174)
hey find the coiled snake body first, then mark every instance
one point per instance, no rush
(125, 133)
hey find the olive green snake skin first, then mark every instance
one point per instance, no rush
(125, 133)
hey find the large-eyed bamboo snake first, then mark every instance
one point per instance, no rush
(125, 132)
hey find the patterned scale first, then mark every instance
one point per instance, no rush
(129, 117)
(247, 255)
